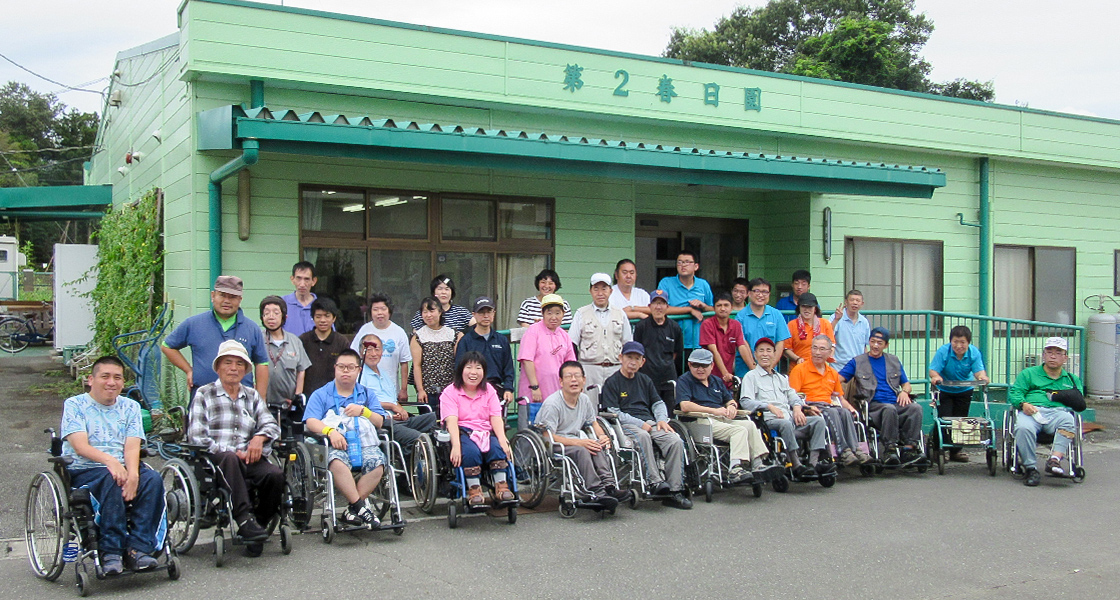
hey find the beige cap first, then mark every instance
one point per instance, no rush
(232, 348)
(229, 285)
(551, 300)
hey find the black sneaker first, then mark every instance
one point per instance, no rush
(910, 455)
(620, 495)
(111, 564)
(607, 502)
(678, 500)
(891, 456)
(825, 468)
(351, 518)
(803, 472)
(1033, 477)
(139, 561)
(660, 489)
(368, 518)
(251, 531)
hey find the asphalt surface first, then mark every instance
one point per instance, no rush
(961, 535)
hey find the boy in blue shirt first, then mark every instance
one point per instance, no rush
(958, 360)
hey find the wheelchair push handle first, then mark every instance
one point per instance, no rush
(56, 442)
(976, 383)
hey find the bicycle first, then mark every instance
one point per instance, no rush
(17, 333)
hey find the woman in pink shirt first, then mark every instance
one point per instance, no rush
(544, 347)
(473, 415)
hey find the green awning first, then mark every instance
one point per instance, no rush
(65, 199)
(312, 133)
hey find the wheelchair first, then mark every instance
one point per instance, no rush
(542, 467)
(628, 464)
(312, 485)
(434, 475)
(708, 460)
(1012, 462)
(196, 501)
(61, 527)
(826, 477)
(955, 433)
(879, 452)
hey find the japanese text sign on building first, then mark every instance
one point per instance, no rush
(665, 90)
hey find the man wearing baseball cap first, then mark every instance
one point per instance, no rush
(232, 422)
(1033, 394)
(881, 381)
(632, 397)
(598, 331)
(204, 332)
(484, 339)
(664, 343)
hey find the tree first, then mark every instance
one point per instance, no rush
(873, 42)
(43, 143)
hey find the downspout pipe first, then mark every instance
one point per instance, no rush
(985, 257)
(249, 156)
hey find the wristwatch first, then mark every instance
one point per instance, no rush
(534, 387)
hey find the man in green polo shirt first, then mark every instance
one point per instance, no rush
(1033, 395)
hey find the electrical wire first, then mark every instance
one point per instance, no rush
(66, 149)
(42, 167)
(157, 73)
(44, 78)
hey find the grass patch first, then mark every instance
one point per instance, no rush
(58, 384)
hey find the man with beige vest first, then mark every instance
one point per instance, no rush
(598, 331)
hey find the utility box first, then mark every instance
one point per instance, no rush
(11, 261)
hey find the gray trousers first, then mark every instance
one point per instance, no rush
(408, 431)
(672, 450)
(841, 425)
(901, 424)
(594, 468)
(813, 429)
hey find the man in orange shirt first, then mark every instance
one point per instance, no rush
(821, 385)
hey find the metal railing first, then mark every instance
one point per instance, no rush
(1007, 345)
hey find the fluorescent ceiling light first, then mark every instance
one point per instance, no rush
(393, 201)
(353, 208)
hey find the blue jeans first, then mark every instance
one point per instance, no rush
(472, 456)
(1060, 425)
(145, 512)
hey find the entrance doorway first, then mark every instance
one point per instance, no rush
(720, 246)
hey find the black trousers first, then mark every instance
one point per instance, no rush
(262, 476)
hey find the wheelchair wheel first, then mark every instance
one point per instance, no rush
(827, 481)
(285, 539)
(386, 501)
(174, 568)
(1078, 475)
(531, 466)
(709, 488)
(991, 456)
(939, 459)
(757, 489)
(184, 504)
(452, 515)
(780, 484)
(82, 581)
(301, 487)
(219, 550)
(567, 509)
(48, 525)
(423, 470)
(511, 515)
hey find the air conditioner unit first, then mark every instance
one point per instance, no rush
(1073, 363)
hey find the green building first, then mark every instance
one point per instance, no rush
(387, 153)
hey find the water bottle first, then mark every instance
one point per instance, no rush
(354, 445)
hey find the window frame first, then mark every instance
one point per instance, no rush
(849, 265)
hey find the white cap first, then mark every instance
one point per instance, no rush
(1056, 342)
(600, 278)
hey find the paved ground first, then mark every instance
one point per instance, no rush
(962, 535)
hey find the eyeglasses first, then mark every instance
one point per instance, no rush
(763, 292)
(686, 262)
(347, 368)
(572, 376)
(368, 345)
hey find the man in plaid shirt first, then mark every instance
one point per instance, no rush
(234, 424)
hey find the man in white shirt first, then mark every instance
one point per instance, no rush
(634, 301)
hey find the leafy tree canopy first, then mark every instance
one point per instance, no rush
(872, 42)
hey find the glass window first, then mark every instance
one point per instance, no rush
(398, 216)
(524, 220)
(471, 272)
(403, 276)
(1036, 283)
(515, 283)
(334, 211)
(895, 274)
(468, 219)
(1116, 273)
(343, 278)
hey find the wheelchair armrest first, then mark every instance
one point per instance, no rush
(61, 460)
(608, 416)
(691, 415)
(419, 406)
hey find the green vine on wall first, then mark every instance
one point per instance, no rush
(129, 289)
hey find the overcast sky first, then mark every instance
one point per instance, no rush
(1051, 55)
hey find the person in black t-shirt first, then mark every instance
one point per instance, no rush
(664, 344)
(632, 396)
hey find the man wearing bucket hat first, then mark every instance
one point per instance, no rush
(881, 381)
(1037, 394)
(204, 332)
(232, 422)
(598, 331)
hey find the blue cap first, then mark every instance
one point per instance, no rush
(655, 294)
(633, 348)
(882, 333)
